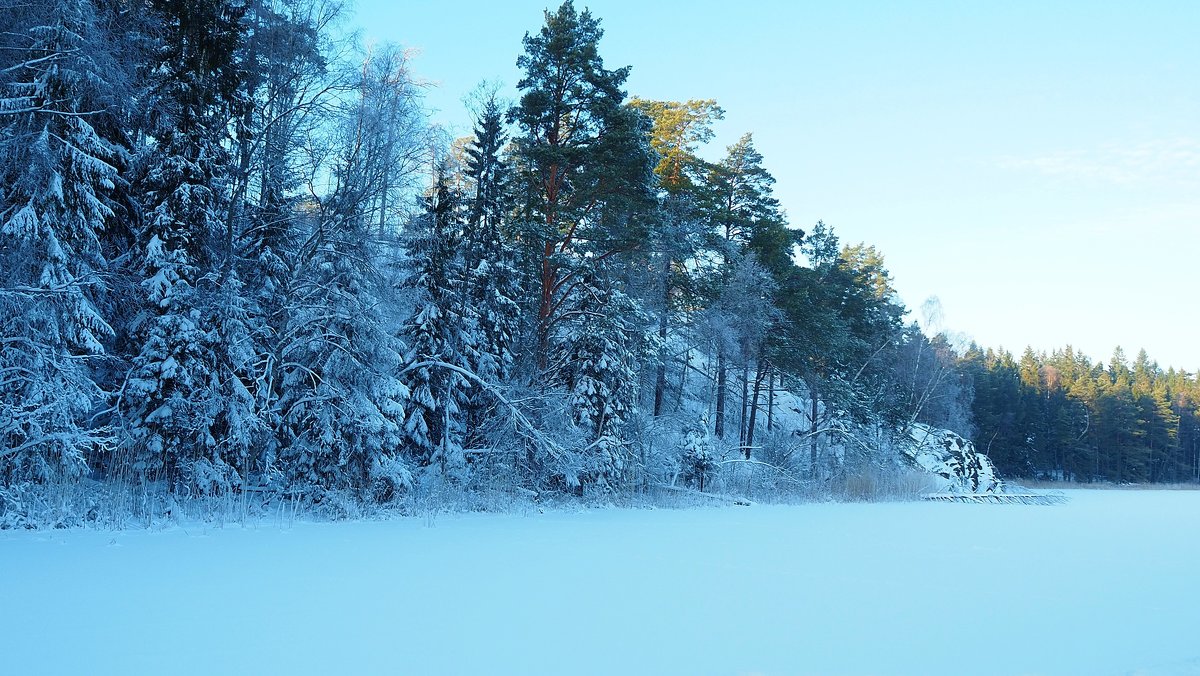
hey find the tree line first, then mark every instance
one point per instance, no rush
(236, 255)
(1060, 416)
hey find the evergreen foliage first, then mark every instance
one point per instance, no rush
(601, 352)
(439, 333)
(236, 259)
(60, 181)
(185, 391)
(1061, 416)
(583, 162)
(700, 456)
(492, 282)
(488, 169)
(343, 405)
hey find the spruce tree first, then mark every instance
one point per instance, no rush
(739, 202)
(438, 335)
(190, 413)
(60, 178)
(287, 87)
(492, 283)
(487, 168)
(601, 353)
(343, 405)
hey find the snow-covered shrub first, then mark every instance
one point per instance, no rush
(698, 461)
(554, 446)
(783, 449)
(390, 478)
(211, 477)
(338, 505)
(63, 502)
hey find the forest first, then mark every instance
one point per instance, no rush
(237, 258)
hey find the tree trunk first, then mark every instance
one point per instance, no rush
(771, 400)
(683, 374)
(545, 308)
(763, 369)
(812, 431)
(549, 272)
(660, 379)
(745, 403)
(719, 428)
(244, 141)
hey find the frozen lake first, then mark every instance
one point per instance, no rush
(1106, 584)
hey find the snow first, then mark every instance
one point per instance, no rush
(1105, 584)
(952, 461)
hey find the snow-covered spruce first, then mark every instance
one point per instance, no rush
(60, 163)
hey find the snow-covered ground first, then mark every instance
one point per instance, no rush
(1106, 584)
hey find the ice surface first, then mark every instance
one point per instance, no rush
(1105, 584)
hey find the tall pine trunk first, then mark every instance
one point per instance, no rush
(771, 400)
(719, 428)
(812, 432)
(763, 369)
(660, 378)
(745, 403)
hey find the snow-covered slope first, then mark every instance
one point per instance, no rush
(953, 460)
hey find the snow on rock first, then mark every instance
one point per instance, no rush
(953, 460)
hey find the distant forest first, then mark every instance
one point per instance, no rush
(1061, 416)
(235, 255)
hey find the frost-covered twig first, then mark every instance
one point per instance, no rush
(518, 417)
(745, 461)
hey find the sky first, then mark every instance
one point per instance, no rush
(1033, 165)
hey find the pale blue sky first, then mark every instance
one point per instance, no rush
(1035, 165)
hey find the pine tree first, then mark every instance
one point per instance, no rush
(678, 128)
(679, 238)
(743, 207)
(584, 163)
(743, 212)
(682, 245)
(740, 319)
